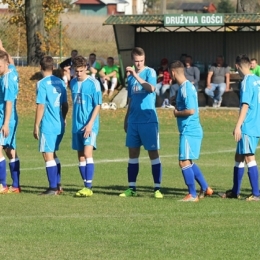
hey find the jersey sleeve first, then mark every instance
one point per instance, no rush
(247, 91)
(104, 69)
(41, 93)
(10, 88)
(151, 77)
(189, 96)
(97, 97)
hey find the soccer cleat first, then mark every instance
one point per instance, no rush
(203, 194)
(3, 189)
(128, 193)
(14, 190)
(59, 189)
(158, 194)
(170, 106)
(219, 103)
(50, 192)
(229, 194)
(189, 198)
(85, 192)
(252, 198)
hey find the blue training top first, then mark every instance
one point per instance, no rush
(250, 94)
(86, 95)
(9, 89)
(142, 107)
(51, 92)
(187, 99)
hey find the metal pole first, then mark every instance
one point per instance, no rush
(60, 41)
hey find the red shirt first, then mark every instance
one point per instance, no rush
(166, 78)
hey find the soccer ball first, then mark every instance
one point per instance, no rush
(112, 106)
(105, 106)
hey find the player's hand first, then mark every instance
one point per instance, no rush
(175, 112)
(36, 132)
(209, 86)
(125, 127)
(5, 130)
(87, 131)
(130, 70)
(237, 133)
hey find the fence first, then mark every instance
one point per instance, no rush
(75, 31)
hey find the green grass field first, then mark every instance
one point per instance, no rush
(106, 226)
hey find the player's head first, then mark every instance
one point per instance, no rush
(3, 62)
(80, 66)
(92, 57)
(243, 64)
(253, 62)
(138, 57)
(110, 61)
(74, 53)
(46, 63)
(176, 70)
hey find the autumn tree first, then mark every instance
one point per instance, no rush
(247, 6)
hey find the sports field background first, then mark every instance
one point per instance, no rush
(106, 226)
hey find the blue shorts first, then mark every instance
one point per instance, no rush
(78, 141)
(143, 134)
(189, 147)
(247, 144)
(10, 140)
(49, 143)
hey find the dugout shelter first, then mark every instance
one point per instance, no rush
(203, 36)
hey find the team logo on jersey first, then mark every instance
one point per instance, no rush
(78, 99)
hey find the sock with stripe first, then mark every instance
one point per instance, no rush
(3, 171)
(51, 170)
(189, 179)
(238, 173)
(132, 171)
(199, 177)
(89, 173)
(14, 166)
(253, 177)
(157, 173)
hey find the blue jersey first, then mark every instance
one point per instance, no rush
(250, 94)
(86, 95)
(51, 92)
(187, 99)
(142, 107)
(8, 92)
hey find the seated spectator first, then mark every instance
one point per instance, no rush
(218, 79)
(255, 68)
(191, 73)
(109, 74)
(163, 80)
(93, 65)
(67, 69)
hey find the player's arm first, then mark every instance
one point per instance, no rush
(196, 76)
(64, 109)
(227, 81)
(127, 114)
(93, 70)
(241, 118)
(38, 119)
(210, 74)
(8, 111)
(183, 113)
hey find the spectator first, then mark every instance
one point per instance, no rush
(255, 68)
(163, 80)
(218, 79)
(67, 69)
(93, 65)
(109, 74)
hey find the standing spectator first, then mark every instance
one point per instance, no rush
(218, 79)
(93, 66)
(187, 113)
(87, 99)
(8, 122)
(49, 125)
(247, 131)
(141, 122)
(255, 68)
(67, 69)
(163, 80)
(109, 74)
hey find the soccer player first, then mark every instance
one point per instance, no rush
(49, 125)
(87, 100)
(247, 131)
(187, 113)
(8, 122)
(141, 122)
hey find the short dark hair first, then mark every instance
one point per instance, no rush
(254, 59)
(242, 59)
(79, 61)
(110, 58)
(188, 56)
(92, 54)
(46, 63)
(3, 56)
(177, 64)
(137, 51)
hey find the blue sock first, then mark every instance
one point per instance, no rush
(238, 177)
(132, 171)
(157, 173)
(51, 170)
(199, 177)
(14, 166)
(189, 179)
(82, 170)
(3, 171)
(58, 170)
(253, 177)
(89, 173)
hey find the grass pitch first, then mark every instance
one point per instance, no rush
(106, 226)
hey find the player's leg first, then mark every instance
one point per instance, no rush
(133, 143)
(113, 85)
(105, 85)
(210, 92)
(151, 143)
(3, 185)
(185, 156)
(57, 160)
(221, 90)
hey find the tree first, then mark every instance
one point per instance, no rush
(225, 6)
(247, 6)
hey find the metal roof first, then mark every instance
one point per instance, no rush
(193, 6)
(158, 20)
